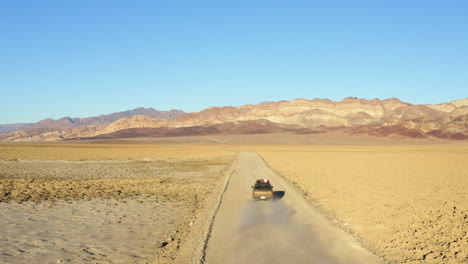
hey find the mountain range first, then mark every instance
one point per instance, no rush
(390, 117)
(91, 121)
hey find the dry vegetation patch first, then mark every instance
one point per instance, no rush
(51, 180)
(37, 190)
(409, 204)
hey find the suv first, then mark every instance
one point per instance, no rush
(262, 190)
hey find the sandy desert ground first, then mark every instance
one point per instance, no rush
(106, 150)
(330, 138)
(94, 203)
(105, 202)
(408, 204)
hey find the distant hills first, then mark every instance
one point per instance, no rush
(382, 118)
(91, 121)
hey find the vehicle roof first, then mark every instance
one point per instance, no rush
(262, 183)
(263, 180)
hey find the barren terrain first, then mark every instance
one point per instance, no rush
(104, 203)
(408, 204)
(149, 200)
(105, 150)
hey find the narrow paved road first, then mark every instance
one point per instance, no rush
(287, 230)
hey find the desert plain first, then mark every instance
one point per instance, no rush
(104, 203)
(151, 202)
(407, 204)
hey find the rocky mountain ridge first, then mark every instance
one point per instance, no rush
(390, 117)
(91, 121)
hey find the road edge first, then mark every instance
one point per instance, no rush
(208, 220)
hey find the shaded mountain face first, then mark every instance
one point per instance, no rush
(91, 121)
(390, 117)
(241, 127)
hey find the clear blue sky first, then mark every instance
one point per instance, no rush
(84, 58)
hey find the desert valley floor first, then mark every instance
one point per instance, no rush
(140, 201)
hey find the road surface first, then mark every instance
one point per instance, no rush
(286, 230)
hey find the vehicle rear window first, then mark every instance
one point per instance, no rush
(263, 187)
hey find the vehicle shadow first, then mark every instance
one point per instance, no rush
(277, 195)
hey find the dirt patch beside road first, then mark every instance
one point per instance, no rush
(105, 151)
(407, 203)
(52, 180)
(106, 211)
